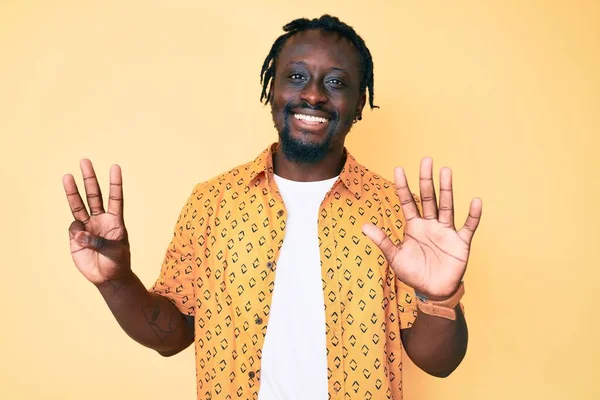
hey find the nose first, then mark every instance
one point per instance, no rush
(313, 93)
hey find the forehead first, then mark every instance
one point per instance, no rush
(316, 47)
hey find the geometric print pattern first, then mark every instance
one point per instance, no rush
(220, 268)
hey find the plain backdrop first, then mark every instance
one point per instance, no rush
(506, 93)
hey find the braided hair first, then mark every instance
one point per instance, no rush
(327, 23)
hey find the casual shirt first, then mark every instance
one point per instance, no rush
(295, 349)
(221, 264)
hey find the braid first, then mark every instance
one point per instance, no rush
(327, 23)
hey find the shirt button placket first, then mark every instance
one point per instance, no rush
(335, 356)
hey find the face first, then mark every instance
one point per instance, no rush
(315, 95)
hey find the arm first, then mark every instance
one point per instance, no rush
(100, 249)
(432, 259)
(436, 345)
(148, 318)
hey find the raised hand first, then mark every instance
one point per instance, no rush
(433, 257)
(98, 238)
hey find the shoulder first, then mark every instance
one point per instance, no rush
(385, 193)
(382, 188)
(234, 179)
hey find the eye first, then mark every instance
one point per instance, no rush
(336, 82)
(296, 77)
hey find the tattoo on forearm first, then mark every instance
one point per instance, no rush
(161, 325)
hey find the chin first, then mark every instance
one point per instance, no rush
(298, 147)
(308, 139)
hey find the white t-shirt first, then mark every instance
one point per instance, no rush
(294, 358)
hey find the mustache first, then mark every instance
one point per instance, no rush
(333, 115)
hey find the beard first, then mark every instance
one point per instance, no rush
(303, 151)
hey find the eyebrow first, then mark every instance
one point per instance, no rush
(303, 64)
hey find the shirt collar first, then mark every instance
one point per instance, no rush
(351, 174)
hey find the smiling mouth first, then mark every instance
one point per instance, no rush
(310, 119)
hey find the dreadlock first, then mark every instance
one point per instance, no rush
(327, 23)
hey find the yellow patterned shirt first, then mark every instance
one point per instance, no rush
(220, 268)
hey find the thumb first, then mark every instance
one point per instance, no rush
(112, 249)
(382, 241)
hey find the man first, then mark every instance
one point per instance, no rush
(295, 274)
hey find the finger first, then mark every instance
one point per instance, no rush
(407, 201)
(446, 212)
(381, 240)
(112, 249)
(74, 198)
(92, 189)
(428, 199)
(76, 226)
(115, 195)
(468, 229)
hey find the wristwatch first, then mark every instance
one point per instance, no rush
(444, 308)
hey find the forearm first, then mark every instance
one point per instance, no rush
(148, 318)
(437, 345)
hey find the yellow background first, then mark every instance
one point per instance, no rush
(504, 92)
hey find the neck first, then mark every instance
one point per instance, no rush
(327, 168)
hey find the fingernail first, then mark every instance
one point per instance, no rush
(83, 239)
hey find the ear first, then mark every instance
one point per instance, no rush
(271, 88)
(361, 104)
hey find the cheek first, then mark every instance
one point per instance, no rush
(279, 100)
(345, 123)
(347, 113)
(277, 107)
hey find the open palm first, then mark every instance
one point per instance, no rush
(433, 256)
(98, 239)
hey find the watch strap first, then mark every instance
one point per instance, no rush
(443, 308)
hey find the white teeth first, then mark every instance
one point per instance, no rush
(310, 118)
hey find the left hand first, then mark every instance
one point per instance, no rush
(433, 257)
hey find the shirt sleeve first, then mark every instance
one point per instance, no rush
(407, 305)
(176, 279)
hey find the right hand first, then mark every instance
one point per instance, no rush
(98, 239)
